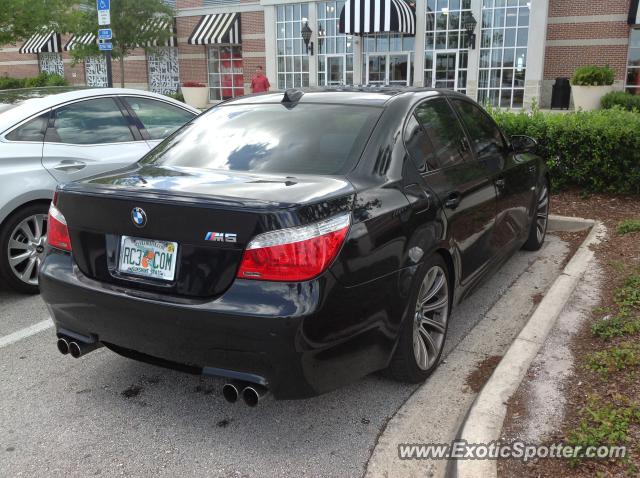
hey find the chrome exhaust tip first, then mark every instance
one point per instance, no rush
(63, 346)
(78, 349)
(231, 392)
(253, 394)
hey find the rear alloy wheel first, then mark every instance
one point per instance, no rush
(538, 230)
(423, 335)
(23, 241)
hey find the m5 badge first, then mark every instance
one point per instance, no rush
(220, 237)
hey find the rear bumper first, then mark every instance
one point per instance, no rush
(298, 339)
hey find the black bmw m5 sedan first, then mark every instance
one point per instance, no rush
(294, 242)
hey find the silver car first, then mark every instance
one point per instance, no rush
(57, 135)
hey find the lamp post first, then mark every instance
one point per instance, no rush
(306, 36)
(469, 24)
(321, 33)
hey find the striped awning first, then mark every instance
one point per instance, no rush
(42, 42)
(634, 13)
(158, 25)
(362, 17)
(78, 40)
(216, 28)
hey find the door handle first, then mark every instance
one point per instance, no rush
(70, 166)
(453, 201)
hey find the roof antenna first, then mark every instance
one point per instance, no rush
(292, 95)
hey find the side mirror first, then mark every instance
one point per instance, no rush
(523, 144)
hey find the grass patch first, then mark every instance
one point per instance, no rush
(604, 424)
(629, 225)
(628, 296)
(625, 356)
(616, 326)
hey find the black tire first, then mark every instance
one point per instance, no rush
(404, 364)
(539, 222)
(7, 273)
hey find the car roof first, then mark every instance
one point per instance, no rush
(347, 95)
(35, 100)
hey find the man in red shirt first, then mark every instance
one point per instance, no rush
(260, 83)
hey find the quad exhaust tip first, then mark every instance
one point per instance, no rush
(76, 348)
(251, 393)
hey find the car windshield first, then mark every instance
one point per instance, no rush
(273, 138)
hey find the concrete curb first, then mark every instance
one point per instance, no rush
(483, 423)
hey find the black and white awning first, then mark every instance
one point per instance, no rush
(217, 28)
(42, 43)
(158, 25)
(80, 40)
(634, 13)
(362, 17)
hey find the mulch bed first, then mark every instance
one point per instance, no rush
(619, 257)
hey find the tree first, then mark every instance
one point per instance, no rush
(134, 24)
(19, 19)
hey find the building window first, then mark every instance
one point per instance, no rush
(503, 52)
(335, 50)
(446, 45)
(633, 68)
(293, 60)
(388, 59)
(226, 78)
(164, 70)
(51, 63)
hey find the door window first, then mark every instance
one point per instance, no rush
(486, 138)
(158, 118)
(95, 121)
(30, 131)
(444, 131)
(419, 146)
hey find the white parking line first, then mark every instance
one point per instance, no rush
(26, 332)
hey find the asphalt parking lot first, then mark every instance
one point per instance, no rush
(107, 415)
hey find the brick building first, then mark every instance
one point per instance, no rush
(510, 58)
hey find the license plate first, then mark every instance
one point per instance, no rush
(148, 258)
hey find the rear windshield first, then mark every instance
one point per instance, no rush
(272, 138)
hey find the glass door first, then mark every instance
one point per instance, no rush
(445, 71)
(336, 72)
(399, 69)
(376, 69)
(388, 68)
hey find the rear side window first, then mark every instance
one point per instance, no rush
(486, 138)
(443, 129)
(419, 146)
(30, 131)
(304, 138)
(96, 121)
(160, 119)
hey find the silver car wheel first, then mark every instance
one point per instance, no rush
(431, 315)
(26, 248)
(542, 213)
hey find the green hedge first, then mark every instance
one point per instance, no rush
(596, 150)
(626, 101)
(593, 75)
(43, 79)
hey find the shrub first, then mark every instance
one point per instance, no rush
(193, 84)
(629, 225)
(8, 83)
(43, 79)
(624, 100)
(176, 96)
(596, 150)
(593, 75)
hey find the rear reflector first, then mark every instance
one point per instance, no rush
(295, 254)
(57, 232)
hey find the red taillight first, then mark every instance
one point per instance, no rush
(57, 232)
(295, 254)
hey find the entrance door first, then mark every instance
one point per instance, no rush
(445, 72)
(336, 72)
(388, 68)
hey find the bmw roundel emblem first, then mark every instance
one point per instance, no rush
(139, 217)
